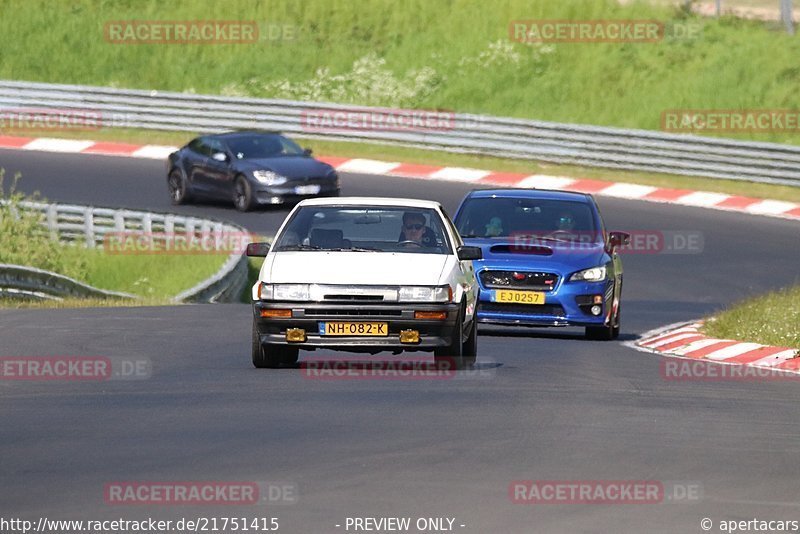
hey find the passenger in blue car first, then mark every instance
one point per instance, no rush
(495, 227)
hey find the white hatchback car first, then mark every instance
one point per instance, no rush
(365, 275)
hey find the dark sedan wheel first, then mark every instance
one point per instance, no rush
(242, 194)
(178, 188)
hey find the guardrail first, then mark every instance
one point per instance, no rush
(21, 282)
(617, 148)
(96, 227)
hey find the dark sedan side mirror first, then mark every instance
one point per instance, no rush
(307, 151)
(257, 250)
(220, 156)
(618, 239)
(469, 253)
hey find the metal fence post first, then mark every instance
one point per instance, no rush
(88, 227)
(786, 16)
(52, 221)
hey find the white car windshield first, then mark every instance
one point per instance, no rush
(365, 229)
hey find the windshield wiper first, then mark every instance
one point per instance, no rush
(356, 249)
(298, 247)
(332, 249)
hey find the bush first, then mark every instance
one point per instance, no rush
(25, 241)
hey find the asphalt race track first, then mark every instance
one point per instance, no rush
(541, 405)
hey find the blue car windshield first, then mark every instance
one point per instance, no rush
(263, 146)
(561, 220)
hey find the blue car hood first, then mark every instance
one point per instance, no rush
(555, 257)
(289, 166)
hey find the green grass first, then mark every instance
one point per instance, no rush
(157, 276)
(154, 278)
(448, 54)
(147, 275)
(772, 319)
(253, 268)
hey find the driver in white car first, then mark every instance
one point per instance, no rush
(415, 232)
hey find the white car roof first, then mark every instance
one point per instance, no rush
(370, 201)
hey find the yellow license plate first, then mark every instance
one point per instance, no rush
(353, 329)
(508, 296)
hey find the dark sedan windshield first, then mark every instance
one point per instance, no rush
(263, 146)
(512, 217)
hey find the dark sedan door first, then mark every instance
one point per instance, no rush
(218, 175)
(194, 162)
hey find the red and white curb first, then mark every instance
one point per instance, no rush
(684, 197)
(685, 340)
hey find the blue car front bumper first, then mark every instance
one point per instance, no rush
(567, 304)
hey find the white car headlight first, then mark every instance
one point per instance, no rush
(269, 177)
(595, 274)
(425, 294)
(284, 292)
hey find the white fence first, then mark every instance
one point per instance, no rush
(98, 227)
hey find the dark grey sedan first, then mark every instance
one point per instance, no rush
(248, 168)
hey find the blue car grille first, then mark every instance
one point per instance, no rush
(554, 310)
(534, 280)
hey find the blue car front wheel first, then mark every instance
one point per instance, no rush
(609, 332)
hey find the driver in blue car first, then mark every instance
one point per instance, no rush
(566, 223)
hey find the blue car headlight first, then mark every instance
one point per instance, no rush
(595, 274)
(269, 177)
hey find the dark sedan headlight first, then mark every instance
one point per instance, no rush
(269, 177)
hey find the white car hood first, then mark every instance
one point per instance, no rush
(360, 268)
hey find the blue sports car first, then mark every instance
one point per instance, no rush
(547, 259)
